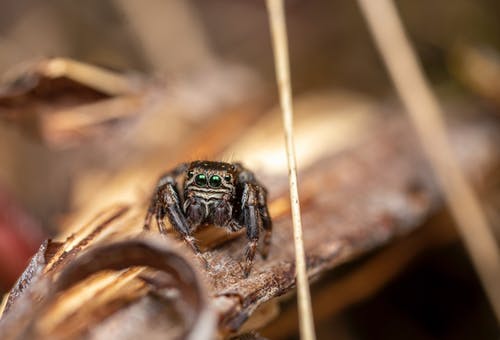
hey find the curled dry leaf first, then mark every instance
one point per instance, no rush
(167, 300)
(63, 102)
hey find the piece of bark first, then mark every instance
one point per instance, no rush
(378, 187)
(364, 278)
(33, 271)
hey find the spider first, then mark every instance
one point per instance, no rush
(213, 193)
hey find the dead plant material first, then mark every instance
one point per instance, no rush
(478, 68)
(64, 102)
(362, 280)
(276, 13)
(427, 116)
(170, 290)
(355, 198)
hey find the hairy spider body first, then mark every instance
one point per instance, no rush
(213, 193)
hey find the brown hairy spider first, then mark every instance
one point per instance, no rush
(213, 193)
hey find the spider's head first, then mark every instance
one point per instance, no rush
(210, 180)
(208, 191)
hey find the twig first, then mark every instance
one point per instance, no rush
(426, 115)
(280, 47)
(91, 76)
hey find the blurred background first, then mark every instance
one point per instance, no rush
(188, 62)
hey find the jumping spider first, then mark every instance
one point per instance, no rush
(213, 193)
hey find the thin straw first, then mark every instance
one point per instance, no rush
(426, 115)
(280, 48)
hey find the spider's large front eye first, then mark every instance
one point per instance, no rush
(200, 180)
(215, 181)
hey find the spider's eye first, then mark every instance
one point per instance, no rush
(227, 178)
(215, 181)
(200, 180)
(190, 173)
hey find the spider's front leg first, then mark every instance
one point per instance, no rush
(252, 221)
(267, 223)
(155, 207)
(255, 215)
(166, 202)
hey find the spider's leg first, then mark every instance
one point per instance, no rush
(171, 204)
(166, 202)
(267, 223)
(160, 215)
(252, 221)
(154, 205)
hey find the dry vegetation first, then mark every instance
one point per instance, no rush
(83, 147)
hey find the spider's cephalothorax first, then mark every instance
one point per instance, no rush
(213, 193)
